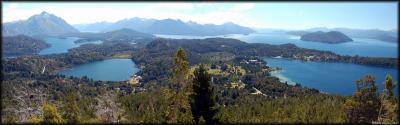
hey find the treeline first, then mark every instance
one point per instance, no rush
(121, 35)
(54, 62)
(238, 47)
(22, 45)
(376, 61)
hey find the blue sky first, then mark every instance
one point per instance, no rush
(283, 15)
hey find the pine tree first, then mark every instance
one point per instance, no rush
(364, 104)
(51, 115)
(203, 99)
(181, 69)
(178, 92)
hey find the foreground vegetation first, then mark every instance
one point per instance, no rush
(206, 82)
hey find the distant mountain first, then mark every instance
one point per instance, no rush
(138, 24)
(271, 30)
(387, 36)
(297, 33)
(171, 27)
(22, 45)
(125, 34)
(326, 37)
(121, 35)
(133, 23)
(94, 27)
(43, 24)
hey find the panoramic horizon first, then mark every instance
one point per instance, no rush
(256, 15)
(166, 63)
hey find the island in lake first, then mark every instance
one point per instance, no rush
(332, 37)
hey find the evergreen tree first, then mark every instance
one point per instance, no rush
(181, 69)
(179, 107)
(51, 115)
(203, 99)
(364, 104)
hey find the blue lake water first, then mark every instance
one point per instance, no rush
(361, 47)
(338, 78)
(61, 45)
(106, 70)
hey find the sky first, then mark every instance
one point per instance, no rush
(280, 15)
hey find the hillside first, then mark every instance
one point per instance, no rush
(27, 88)
(332, 37)
(121, 35)
(43, 24)
(386, 36)
(22, 45)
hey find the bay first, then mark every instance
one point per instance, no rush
(62, 45)
(329, 77)
(360, 46)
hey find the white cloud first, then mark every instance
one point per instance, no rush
(242, 7)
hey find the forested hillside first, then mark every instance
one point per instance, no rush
(184, 81)
(22, 45)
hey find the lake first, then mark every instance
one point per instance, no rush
(338, 78)
(106, 70)
(361, 47)
(329, 77)
(61, 45)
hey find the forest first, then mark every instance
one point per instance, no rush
(22, 45)
(188, 81)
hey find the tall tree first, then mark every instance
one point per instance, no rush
(180, 70)
(203, 99)
(177, 94)
(364, 104)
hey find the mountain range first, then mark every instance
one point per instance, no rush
(46, 24)
(167, 27)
